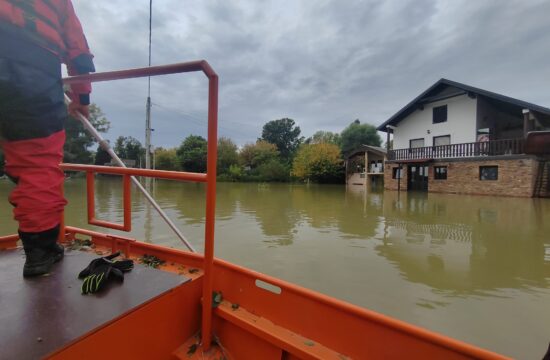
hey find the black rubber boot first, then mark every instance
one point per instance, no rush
(41, 250)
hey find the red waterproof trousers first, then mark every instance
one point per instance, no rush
(34, 164)
(32, 113)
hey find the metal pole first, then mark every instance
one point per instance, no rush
(148, 109)
(105, 145)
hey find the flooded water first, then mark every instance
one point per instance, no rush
(473, 268)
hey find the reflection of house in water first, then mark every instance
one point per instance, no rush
(473, 245)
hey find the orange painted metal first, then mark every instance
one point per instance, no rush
(8, 242)
(337, 326)
(210, 211)
(210, 177)
(153, 331)
(126, 200)
(157, 174)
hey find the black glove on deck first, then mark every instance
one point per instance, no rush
(99, 271)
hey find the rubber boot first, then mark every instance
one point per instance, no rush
(41, 250)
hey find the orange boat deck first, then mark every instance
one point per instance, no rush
(47, 313)
(259, 318)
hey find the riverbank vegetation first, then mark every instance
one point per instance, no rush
(280, 154)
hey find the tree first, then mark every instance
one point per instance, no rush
(227, 154)
(101, 156)
(357, 134)
(324, 137)
(166, 159)
(77, 138)
(284, 134)
(192, 154)
(319, 163)
(129, 148)
(273, 170)
(253, 155)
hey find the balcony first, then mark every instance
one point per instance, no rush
(465, 150)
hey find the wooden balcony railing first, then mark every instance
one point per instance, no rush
(475, 149)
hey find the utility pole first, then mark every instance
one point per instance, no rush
(148, 106)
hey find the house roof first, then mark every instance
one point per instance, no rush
(444, 89)
(361, 149)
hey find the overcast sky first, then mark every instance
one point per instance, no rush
(322, 63)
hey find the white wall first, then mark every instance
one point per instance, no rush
(460, 124)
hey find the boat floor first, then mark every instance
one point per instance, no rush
(41, 315)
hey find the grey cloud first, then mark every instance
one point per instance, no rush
(323, 63)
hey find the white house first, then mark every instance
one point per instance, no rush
(457, 138)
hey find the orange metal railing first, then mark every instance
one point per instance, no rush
(209, 177)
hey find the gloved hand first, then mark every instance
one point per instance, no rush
(79, 104)
(99, 271)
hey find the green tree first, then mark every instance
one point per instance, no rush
(78, 141)
(227, 154)
(273, 170)
(166, 159)
(284, 134)
(192, 154)
(357, 134)
(319, 163)
(101, 156)
(324, 137)
(129, 148)
(253, 155)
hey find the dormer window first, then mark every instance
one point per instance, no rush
(439, 114)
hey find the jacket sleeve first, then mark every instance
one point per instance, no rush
(78, 57)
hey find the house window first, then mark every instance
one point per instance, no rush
(416, 143)
(488, 173)
(442, 140)
(440, 172)
(396, 173)
(439, 114)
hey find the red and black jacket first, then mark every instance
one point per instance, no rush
(52, 25)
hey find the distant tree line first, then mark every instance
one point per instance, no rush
(279, 154)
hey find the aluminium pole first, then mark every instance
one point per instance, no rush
(107, 147)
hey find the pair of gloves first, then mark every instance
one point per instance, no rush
(100, 271)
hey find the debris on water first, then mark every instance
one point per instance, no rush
(192, 349)
(217, 299)
(151, 261)
(235, 306)
(193, 271)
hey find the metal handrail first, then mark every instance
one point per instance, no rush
(210, 176)
(462, 150)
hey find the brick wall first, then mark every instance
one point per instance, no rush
(392, 184)
(516, 177)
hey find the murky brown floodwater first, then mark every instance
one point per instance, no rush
(474, 268)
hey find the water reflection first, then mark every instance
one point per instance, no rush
(455, 264)
(466, 245)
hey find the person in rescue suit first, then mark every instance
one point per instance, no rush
(36, 37)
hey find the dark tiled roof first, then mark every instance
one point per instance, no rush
(467, 89)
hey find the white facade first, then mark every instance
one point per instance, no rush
(460, 125)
